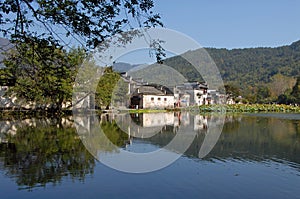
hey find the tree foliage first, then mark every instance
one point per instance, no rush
(44, 153)
(44, 74)
(106, 87)
(232, 90)
(296, 92)
(263, 94)
(45, 78)
(279, 84)
(41, 68)
(87, 21)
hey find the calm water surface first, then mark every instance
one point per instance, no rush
(256, 156)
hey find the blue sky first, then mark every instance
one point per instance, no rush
(233, 23)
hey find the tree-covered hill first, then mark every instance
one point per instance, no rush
(252, 66)
(257, 72)
(260, 75)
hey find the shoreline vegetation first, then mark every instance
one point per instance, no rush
(250, 108)
(233, 108)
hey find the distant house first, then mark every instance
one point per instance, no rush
(215, 97)
(152, 97)
(133, 83)
(144, 95)
(230, 101)
(5, 83)
(190, 94)
(5, 102)
(5, 80)
(5, 46)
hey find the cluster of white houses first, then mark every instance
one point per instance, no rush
(153, 96)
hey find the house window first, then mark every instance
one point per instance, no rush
(165, 99)
(152, 98)
(158, 99)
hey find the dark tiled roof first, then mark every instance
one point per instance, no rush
(191, 86)
(151, 90)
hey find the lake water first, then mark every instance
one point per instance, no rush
(254, 156)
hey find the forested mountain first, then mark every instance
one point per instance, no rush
(260, 75)
(256, 72)
(254, 66)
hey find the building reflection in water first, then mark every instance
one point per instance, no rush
(35, 152)
(164, 126)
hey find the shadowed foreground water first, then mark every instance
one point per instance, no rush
(256, 156)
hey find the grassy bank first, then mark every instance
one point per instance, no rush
(236, 108)
(21, 114)
(148, 110)
(250, 108)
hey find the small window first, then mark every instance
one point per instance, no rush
(165, 99)
(152, 98)
(158, 99)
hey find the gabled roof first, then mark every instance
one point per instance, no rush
(151, 90)
(165, 89)
(192, 86)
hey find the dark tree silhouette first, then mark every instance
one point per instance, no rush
(87, 21)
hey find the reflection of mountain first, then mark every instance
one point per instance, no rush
(36, 152)
(248, 138)
(259, 138)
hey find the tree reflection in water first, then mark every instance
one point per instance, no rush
(42, 151)
(36, 152)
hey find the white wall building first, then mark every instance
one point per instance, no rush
(152, 97)
(191, 94)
